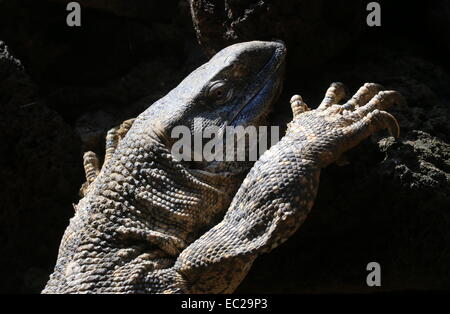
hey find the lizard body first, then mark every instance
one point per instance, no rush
(144, 207)
(151, 224)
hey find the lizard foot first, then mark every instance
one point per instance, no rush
(114, 136)
(279, 191)
(334, 128)
(90, 160)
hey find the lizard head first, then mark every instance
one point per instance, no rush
(237, 87)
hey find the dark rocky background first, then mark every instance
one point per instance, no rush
(62, 88)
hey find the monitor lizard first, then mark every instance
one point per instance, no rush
(149, 223)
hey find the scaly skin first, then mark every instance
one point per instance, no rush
(149, 224)
(279, 191)
(143, 208)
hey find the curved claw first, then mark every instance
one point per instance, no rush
(384, 100)
(389, 122)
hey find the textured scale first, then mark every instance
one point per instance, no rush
(151, 224)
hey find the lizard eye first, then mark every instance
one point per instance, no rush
(219, 92)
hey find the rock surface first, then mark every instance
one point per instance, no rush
(314, 30)
(142, 9)
(438, 25)
(39, 169)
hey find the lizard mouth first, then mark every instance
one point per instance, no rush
(264, 90)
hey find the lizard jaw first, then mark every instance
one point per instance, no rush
(263, 92)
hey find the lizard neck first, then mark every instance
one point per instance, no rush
(152, 199)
